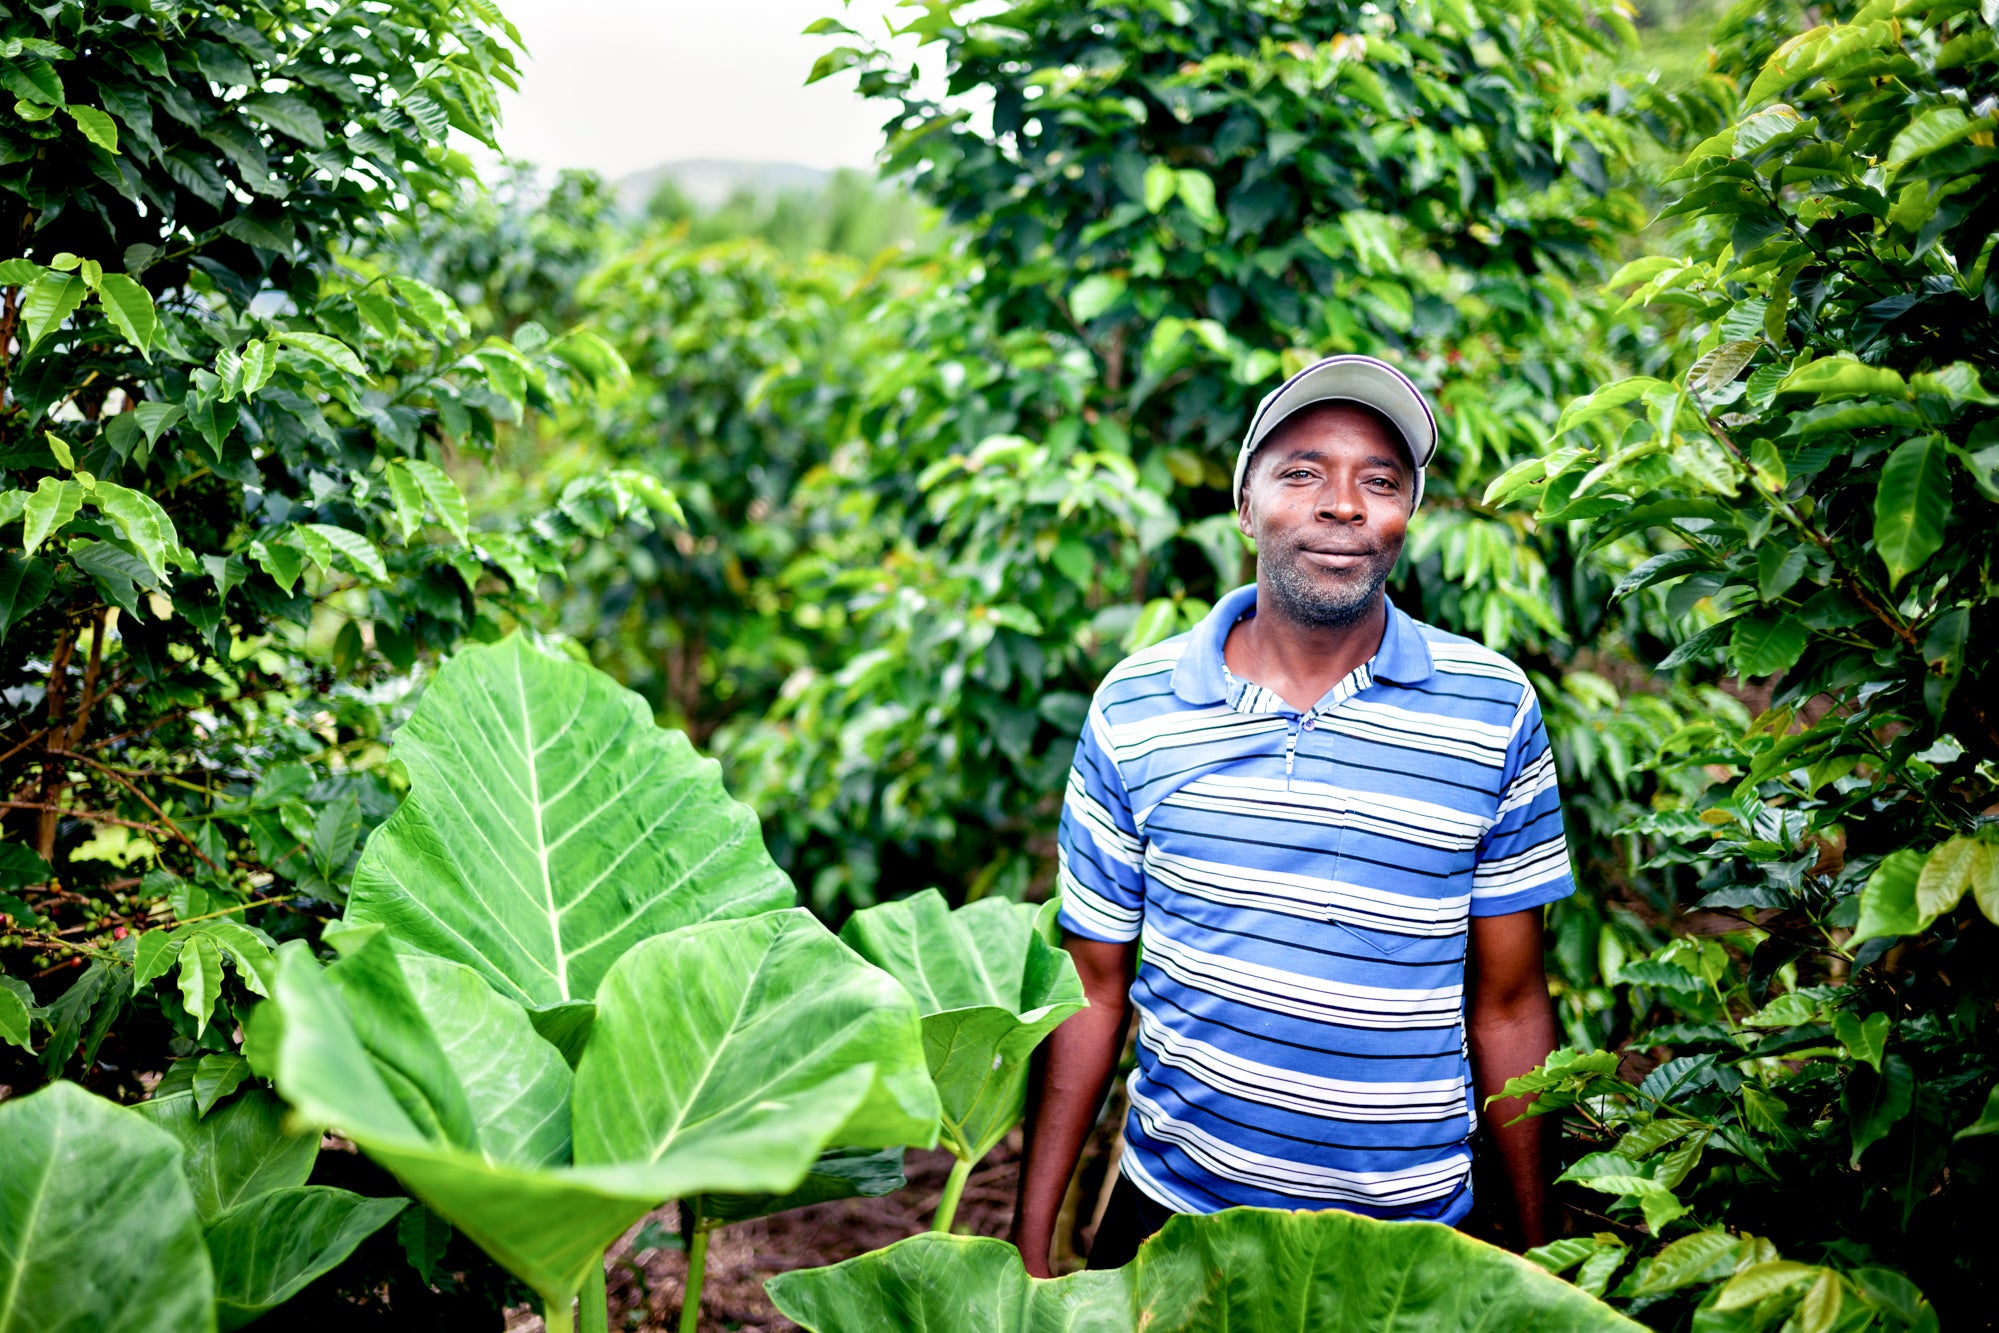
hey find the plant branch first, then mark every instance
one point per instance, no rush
(45, 826)
(31, 739)
(94, 816)
(87, 695)
(144, 800)
(40, 939)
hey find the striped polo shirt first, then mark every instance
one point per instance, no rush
(1300, 885)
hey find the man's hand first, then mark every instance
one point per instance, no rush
(1512, 1029)
(1071, 1073)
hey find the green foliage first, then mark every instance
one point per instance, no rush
(724, 1057)
(1751, 1287)
(1329, 1270)
(558, 851)
(747, 372)
(990, 986)
(837, 1173)
(1167, 211)
(97, 1229)
(791, 1042)
(1254, 180)
(933, 732)
(235, 1152)
(320, 1059)
(550, 826)
(195, 952)
(511, 252)
(230, 450)
(851, 214)
(266, 1252)
(1812, 466)
(268, 1233)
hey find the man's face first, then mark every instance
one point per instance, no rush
(1327, 502)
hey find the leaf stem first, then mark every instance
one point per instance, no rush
(954, 1187)
(594, 1307)
(697, 1267)
(239, 907)
(557, 1315)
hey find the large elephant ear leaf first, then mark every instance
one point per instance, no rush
(265, 1252)
(728, 1055)
(959, 1282)
(990, 988)
(1332, 1272)
(1338, 1272)
(97, 1227)
(444, 1081)
(550, 826)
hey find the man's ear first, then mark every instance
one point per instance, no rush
(1242, 522)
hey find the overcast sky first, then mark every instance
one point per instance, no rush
(620, 85)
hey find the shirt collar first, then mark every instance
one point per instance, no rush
(1200, 676)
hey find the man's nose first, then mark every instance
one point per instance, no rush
(1340, 502)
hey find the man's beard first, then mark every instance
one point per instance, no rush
(1308, 598)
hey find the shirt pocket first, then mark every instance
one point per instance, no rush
(1391, 912)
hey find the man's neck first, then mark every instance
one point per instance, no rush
(1300, 662)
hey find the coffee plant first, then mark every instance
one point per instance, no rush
(1808, 1080)
(229, 455)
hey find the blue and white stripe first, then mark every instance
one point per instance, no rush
(1302, 886)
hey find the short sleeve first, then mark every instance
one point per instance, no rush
(1099, 852)
(1523, 860)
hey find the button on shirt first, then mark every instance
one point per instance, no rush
(1301, 887)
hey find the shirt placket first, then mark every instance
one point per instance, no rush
(1246, 697)
(1298, 727)
(1317, 718)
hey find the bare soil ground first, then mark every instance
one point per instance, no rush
(646, 1286)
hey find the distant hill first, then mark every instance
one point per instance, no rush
(798, 210)
(709, 182)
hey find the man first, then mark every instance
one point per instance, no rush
(1333, 829)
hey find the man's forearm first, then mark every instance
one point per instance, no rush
(1072, 1072)
(1504, 1045)
(1511, 1026)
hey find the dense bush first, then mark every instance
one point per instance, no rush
(1817, 1039)
(228, 447)
(748, 373)
(1170, 206)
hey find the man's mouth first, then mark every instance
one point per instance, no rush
(1335, 558)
